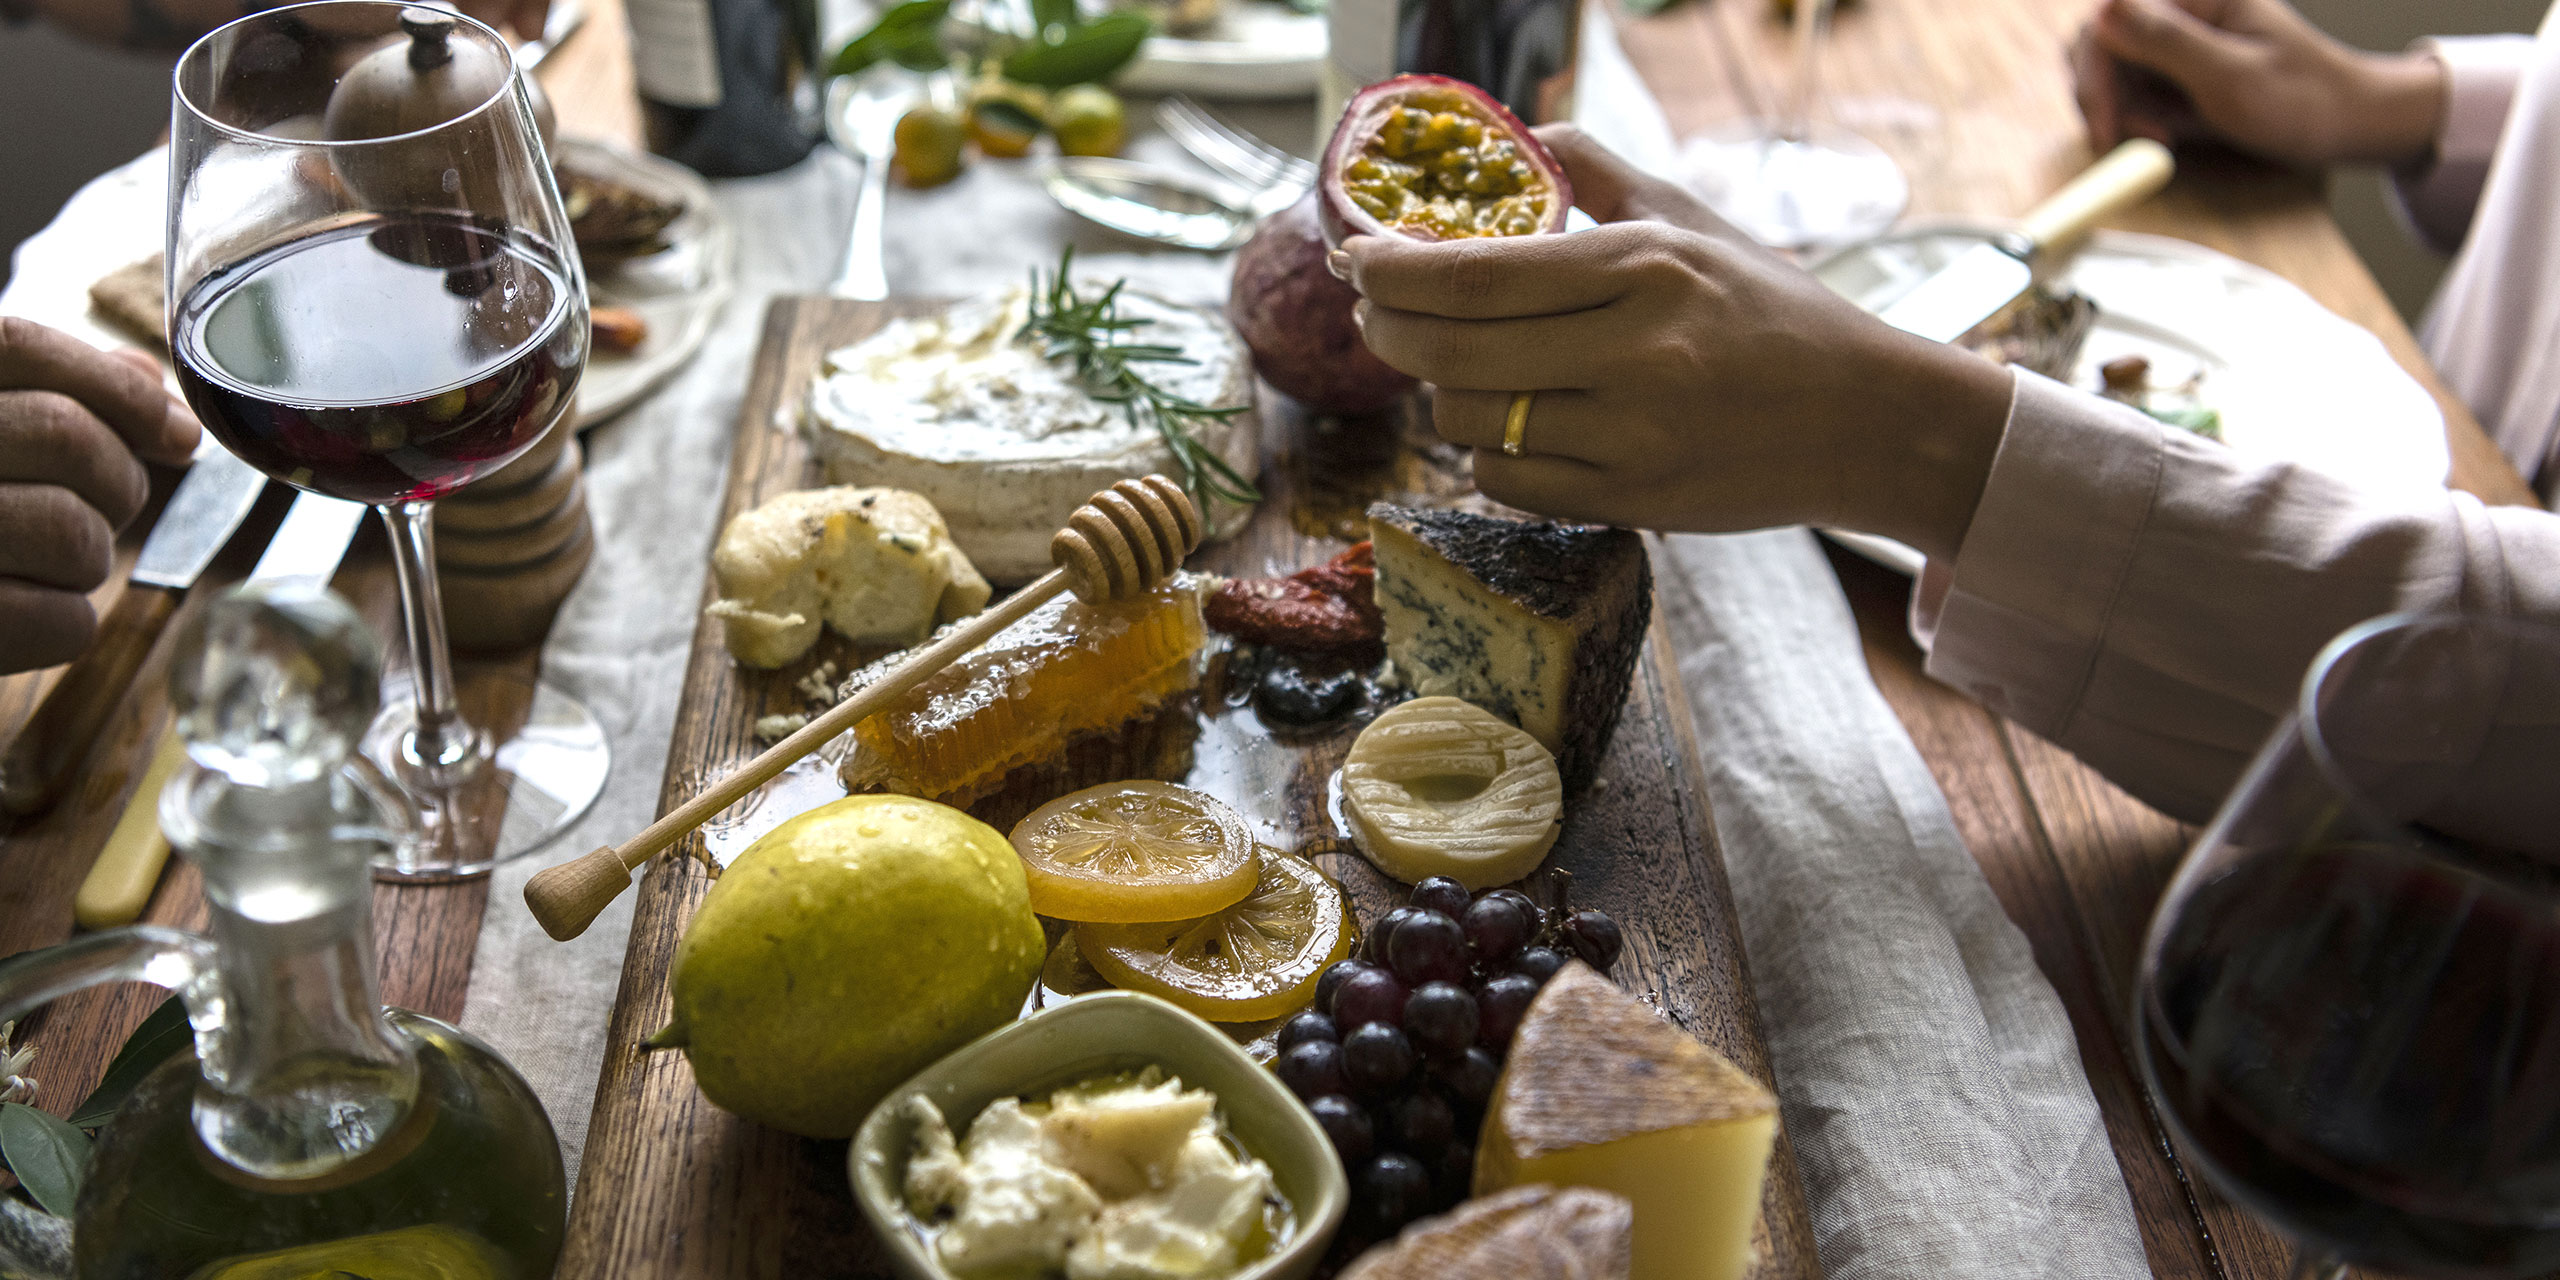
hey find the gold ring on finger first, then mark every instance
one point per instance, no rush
(1515, 425)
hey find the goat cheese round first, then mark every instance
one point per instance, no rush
(1006, 441)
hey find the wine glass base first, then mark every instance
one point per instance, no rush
(538, 762)
(1828, 187)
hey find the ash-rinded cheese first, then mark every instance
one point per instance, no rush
(1004, 440)
(1535, 621)
(1600, 1092)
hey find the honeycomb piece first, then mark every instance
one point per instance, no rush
(1067, 670)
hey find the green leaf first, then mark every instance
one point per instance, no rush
(1052, 16)
(1088, 53)
(1012, 116)
(909, 35)
(48, 1155)
(162, 1035)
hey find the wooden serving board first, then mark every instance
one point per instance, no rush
(672, 1186)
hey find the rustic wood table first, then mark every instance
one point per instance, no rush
(1973, 98)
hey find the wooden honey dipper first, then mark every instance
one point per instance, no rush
(1127, 541)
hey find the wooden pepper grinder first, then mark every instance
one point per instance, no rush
(510, 545)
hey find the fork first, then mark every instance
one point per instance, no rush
(862, 118)
(1277, 177)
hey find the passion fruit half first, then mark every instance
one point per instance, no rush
(1432, 158)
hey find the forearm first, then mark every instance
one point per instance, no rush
(2391, 110)
(1925, 423)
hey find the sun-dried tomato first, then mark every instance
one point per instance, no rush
(1325, 609)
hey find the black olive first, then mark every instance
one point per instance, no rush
(1289, 695)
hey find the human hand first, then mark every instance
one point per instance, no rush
(1686, 377)
(2254, 74)
(76, 425)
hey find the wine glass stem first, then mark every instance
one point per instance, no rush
(441, 739)
(1812, 17)
(2311, 1264)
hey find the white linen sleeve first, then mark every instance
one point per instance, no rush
(2437, 194)
(2149, 600)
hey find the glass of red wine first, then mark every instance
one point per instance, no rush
(2349, 1004)
(373, 295)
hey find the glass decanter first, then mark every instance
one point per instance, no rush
(313, 1132)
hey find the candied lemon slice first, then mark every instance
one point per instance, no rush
(1443, 787)
(1257, 959)
(1132, 851)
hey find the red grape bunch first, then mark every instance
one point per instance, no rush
(1398, 1056)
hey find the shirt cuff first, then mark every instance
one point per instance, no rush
(2436, 194)
(2017, 619)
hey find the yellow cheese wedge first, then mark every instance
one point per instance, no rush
(1526, 1233)
(1600, 1092)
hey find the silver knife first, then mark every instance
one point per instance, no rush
(312, 540)
(1987, 277)
(306, 548)
(210, 501)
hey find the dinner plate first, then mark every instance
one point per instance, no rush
(1256, 49)
(2292, 380)
(118, 219)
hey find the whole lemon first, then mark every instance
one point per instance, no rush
(1089, 121)
(845, 951)
(928, 142)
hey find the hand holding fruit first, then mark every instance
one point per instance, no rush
(1685, 377)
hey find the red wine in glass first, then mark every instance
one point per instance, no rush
(2362, 1043)
(387, 359)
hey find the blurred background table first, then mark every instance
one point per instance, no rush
(1973, 99)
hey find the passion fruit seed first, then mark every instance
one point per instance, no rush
(1430, 158)
(1432, 168)
(928, 142)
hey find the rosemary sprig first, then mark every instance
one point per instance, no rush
(1093, 333)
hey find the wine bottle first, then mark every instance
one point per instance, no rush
(727, 87)
(1520, 51)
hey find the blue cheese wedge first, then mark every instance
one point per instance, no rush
(1535, 621)
(1005, 441)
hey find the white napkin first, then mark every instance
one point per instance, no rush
(1926, 1071)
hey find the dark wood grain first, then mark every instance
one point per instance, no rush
(45, 758)
(671, 1186)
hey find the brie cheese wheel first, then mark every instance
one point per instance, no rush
(1007, 442)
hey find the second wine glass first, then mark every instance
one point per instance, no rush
(373, 295)
(2349, 1005)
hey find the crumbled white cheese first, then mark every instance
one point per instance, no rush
(1132, 1181)
(775, 728)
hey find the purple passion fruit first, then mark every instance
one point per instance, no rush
(1296, 318)
(1432, 158)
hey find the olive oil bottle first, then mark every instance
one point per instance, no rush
(313, 1132)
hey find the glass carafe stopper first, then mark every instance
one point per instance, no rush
(275, 685)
